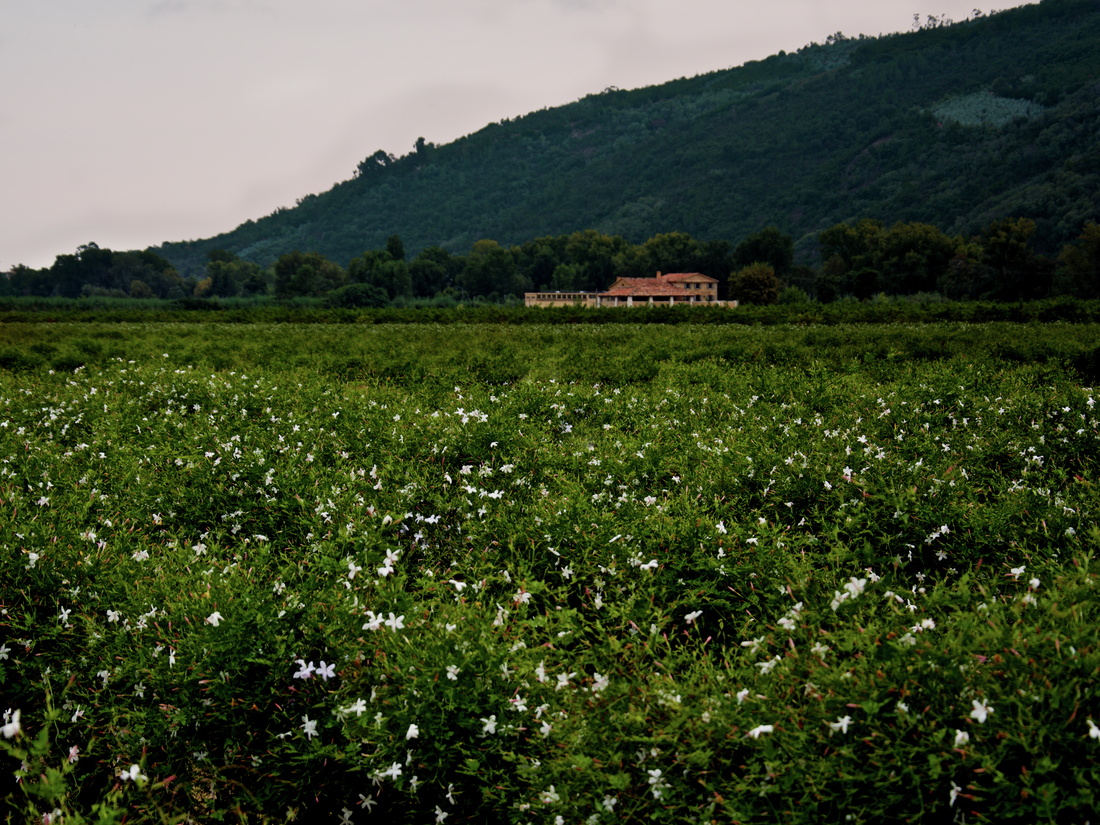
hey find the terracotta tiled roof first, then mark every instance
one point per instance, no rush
(663, 286)
(676, 277)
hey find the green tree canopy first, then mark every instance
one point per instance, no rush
(769, 246)
(1079, 264)
(755, 284)
(298, 274)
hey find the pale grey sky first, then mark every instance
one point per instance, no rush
(132, 122)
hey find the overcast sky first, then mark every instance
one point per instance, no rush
(133, 122)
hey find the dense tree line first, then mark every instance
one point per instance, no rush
(860, 260)
(92, 271)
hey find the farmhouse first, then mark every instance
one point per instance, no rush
(667, 290)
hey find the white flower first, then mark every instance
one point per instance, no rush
(755, 732)
(490, 725)
(452, 672)
(692, 616)
(214, 618)
(961, 738)
(12, 728)
(955, 790)
(980, 711)
(819, 649)
(855, 586)
(309, 726)
(753, 644)
(1094, 732)
(458, 585)
(841, 724)
(112, 615)
(768, 665)
(741, 695)
(133, 774)
(358, 707)
(413, 732)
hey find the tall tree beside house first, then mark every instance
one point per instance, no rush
(670, 252)
(594, 252)
(755, 284)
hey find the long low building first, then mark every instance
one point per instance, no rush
(673, 289)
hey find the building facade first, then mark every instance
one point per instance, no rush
(673, 289)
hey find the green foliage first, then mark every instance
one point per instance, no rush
(768, 246)
(298, 275)
(93, 271)
(1080, 264)
(357, 296)
(755, 284)
(282, 571)
(793, 295)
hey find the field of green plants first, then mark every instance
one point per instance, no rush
(549, 574)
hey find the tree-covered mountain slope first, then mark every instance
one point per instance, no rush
(953, 125)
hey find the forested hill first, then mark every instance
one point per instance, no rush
(953, 125)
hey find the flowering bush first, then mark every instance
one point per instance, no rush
(724, 595)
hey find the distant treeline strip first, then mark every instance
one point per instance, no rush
(932, 310)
